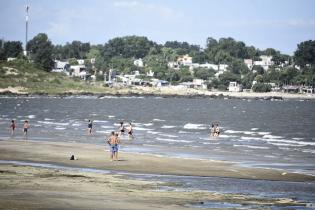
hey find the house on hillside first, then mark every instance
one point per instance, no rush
(61, 66)
(265, 62)
(196, 83)
(79, 71)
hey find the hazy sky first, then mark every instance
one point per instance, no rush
(280, 24)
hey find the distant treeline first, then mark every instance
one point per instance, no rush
(119, 54)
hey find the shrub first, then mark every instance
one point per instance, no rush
(261, 87)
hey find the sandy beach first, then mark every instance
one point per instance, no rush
(171, 91)
(27, 187)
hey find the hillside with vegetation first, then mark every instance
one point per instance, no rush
(28, 78)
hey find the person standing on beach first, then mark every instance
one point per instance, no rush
(121, 128)
(130, 131)
(12, 127)
(90, 125)
(26, 126)
(113, 144)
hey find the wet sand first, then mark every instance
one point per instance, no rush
(26, 187)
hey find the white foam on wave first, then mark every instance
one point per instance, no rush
(263, 133)
(250, 138)
(250, 146)
(168, 135)
(158, 120)
(173, 140)
(308, 151)
(297, 138)
(226, 136)
(31, 116)
(53, 123)
(107, 127)
(103, 132)
(254, 129)
(111, 116)
(249, 133)
(183, 132)
(76, 124)
(268, 136)
(290, 142)
(168, 126)
(194, 126)
(60, 128)
(142, 129)
(233, 131)
(147, 124)
(209, 143)
(100, 121)
(48, 119)
(152, 132)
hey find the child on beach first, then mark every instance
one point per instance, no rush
(26, 126)
(90, 125)
(12, 126)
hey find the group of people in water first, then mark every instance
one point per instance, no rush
(214, 130)
(26, 126)
(114, 139)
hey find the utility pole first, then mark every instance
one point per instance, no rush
(26, 29)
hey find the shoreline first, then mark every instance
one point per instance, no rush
(96, 156)
(165, 92)
(34, 186)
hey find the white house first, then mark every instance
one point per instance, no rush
(78, 70)
(265, 62)
(138, 62)
(61, 66)
(235, 87)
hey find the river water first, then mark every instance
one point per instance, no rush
(254, 133)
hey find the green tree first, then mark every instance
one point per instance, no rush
(13, 49)
(157, 64)
(258, 69)
(2, 53)
(261, 87)
(287, 75)
(203, 73)
(247, 80)
(259, 78)
(128, 47)
(237, 66)
(73, 61)
(228, 77)
(305, 53)
(41, 49)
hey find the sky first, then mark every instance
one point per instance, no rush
(279, 24)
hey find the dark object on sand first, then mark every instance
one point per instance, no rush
(72, 157)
